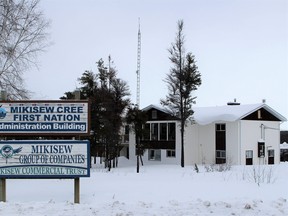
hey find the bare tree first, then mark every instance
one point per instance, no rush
(23, 35)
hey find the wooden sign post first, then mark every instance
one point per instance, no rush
(2, 190)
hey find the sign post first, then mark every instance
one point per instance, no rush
(2, 190)
(76, 190)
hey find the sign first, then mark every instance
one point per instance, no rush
(44, 117)
(44, 159)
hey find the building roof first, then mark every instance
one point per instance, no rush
(227, 113)
(230, 113)
(152, 106)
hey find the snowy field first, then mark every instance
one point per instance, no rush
(156, 190)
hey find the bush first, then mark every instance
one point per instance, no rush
(260, 174)
(218, 167)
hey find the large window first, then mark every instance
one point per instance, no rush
(147, 132)
(161, 135)
(171, 131)
(160, 131)
(154, 131)
(163, 131)
(220, 131)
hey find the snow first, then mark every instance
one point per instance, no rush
(156, 190)
(284, 145)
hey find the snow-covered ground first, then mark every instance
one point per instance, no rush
(156, 190)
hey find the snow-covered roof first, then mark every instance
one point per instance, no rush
(153, 106)
(229, 113)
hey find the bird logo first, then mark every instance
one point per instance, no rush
(7, 152)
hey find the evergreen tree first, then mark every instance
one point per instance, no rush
(183, 79)
(108, 99)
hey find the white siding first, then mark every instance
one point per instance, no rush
(191, 148)
(200, 144)
(232, 143)
(251, 134)
(207, 144)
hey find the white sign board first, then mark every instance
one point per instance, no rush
(44, 117)
(44, 159)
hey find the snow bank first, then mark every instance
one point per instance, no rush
(156, 190)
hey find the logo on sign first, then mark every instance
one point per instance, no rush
(2, 112)
(7, 151)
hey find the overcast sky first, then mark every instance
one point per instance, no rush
(240, 46)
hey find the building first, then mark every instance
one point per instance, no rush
(161, 143)
(234, 133)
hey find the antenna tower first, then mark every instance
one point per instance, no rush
(138, 65)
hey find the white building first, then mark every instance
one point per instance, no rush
(238, 134)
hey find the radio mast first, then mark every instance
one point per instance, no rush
(138, 65)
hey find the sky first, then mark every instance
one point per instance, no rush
(241, 48)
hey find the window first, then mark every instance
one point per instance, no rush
(220, 154)
(126, 134)
(220, 127)
(147, 132)
(170, 153)
(249, 157)
(154, 114)
(171, 131)
(154, 154)
(163, 131)
(220, 141)
(271, 154)
(154, 131)
(160, 131)
(261, 149)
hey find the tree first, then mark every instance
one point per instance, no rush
(23, 36)
(137, 119)
(183, 79)
(108, 96)
(113, 97)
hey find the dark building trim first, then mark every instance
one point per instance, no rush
(261, 115)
